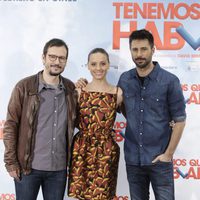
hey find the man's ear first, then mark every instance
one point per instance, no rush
(153, 49)
(43, 59)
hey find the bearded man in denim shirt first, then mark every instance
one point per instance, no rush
(152, 98)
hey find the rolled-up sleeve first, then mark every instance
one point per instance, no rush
(176, 101)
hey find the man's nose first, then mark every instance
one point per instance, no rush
(139, 53)
(57, 61)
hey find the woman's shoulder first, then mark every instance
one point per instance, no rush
(116, 89)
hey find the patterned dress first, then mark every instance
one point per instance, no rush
(95, 156)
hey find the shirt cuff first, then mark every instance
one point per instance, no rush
(179, 119)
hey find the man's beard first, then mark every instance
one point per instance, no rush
(142, 65)
(51, 73)
(54, 74)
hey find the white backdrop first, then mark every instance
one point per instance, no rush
(26, 25)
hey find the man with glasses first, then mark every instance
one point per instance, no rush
(39, 128)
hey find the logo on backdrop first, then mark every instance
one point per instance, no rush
(188, 37)
(186, 168)
(119, 128)
(192, 93)
(7, 196)
(171, 14)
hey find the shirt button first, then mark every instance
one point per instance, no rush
(144, 88)
(52, 152)
(141, 122)
(54, 138)
(55, 98)
(142, 99)
(141, 110)
(140, 145)
(54, 124)
(140, 133)
(55, 111)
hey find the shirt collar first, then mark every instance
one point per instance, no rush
(43, 85)
(153, 74)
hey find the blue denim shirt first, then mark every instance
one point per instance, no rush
(149, 109)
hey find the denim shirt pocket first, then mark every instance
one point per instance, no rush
(129, 100)
(157, 105)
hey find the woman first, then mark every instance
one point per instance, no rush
(95, 156)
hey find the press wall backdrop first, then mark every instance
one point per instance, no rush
(26, 25)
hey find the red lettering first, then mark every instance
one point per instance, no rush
(170, 36)
(117, 6)
(184, 87)
(167, 12)
(195, 87)
(192, 173)
(182, 6)
(157, 10)
(118, 34)
(7, 197)
(152, 27)
(195, 13)
(152, 11)
(194, 162)
(176, 174)
(194, 98)
(179, 162)
(118, 137)
(128, 10)
(142, 11)
(172, 40)
(120, 125)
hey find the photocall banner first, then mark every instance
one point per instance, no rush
(26, 25)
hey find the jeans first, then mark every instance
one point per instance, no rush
(160, 175)
(52, 182)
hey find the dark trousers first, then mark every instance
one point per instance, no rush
(53, 185)
(160, 175)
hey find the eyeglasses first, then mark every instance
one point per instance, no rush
(61, 59)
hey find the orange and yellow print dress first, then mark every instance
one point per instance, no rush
(95, 156)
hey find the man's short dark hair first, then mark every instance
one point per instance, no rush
(141, 35)
(57, 43)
